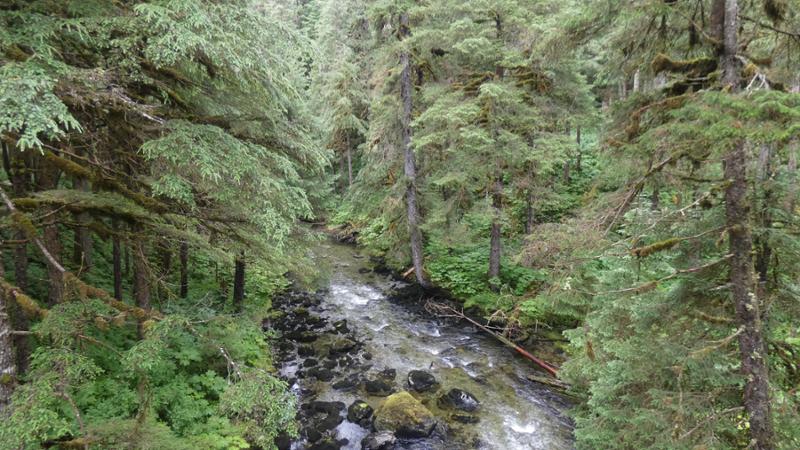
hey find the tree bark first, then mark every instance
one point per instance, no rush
(141, 285)
(238, 283)
(729, 63)
(409, 163)
(184, 257)
(349, 164)
(116, 256)
(529, 212)
(763, 249)
(636, 80)
(495, 245)
(82, 246)
(47, 178)
(578, 159)
(16, 167)
(751, 342)
(8, 364)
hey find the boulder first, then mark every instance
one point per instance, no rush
(384, 440)
(421, 381)
(405, 416)
(459, 399)
(360, 412)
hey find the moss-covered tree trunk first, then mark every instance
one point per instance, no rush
(141, 285)
(15, 166)
(409, 163)
(495, 244)
(238, 283)
(82, 246)
(8, 364)
(116, 256)
(751, 340)
(752, 348)
(47, 177)
(184, 261)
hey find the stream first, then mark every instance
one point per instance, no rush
(354, 336)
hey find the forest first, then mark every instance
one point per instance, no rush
(231, 224)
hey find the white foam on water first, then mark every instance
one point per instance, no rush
(528, 428)
(353, 433)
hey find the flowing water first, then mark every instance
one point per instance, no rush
(514, 413)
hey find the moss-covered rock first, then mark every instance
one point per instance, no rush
(405, 416)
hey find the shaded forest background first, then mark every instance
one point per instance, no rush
(620, 177)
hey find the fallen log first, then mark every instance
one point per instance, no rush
(448, 311)
(552, 382)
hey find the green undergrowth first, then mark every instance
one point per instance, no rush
(202, 376)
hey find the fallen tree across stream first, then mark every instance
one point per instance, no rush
(443, 310)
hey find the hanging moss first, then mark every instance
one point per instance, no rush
(24, 224)
(106, 183)
(695, 68)
(643, 252)
(28, 306)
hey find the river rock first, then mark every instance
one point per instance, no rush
(464, 418)
(388, 374)
(341, 326)
(310, 362)
(348, 384)
(360, 412)
(421, 381)
(306, 350)
(301, 336)
(321, 373)
(283, 441)
(405, 416)
(378, 387)
(342, 345)
(384, 440)
(459, 399)
(329, 444)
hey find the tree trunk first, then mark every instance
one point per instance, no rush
(47, 178)
(495, 246)
(16, 169)
(636, 80)
(15, 165)
(184, 257)
(578, 159)
(791, 168)
(82, 246)
(729, 63)
(349, 164)
(409, 165)
(8, 364)
(751, 342)
(529, 213)
(764, 251)
(238, 283)
(141, 285)
(116, 256)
